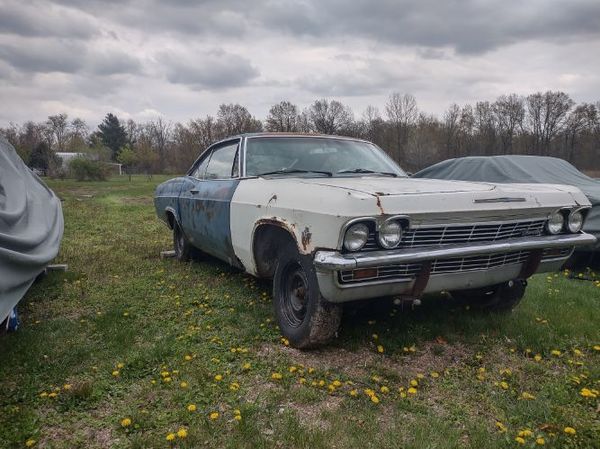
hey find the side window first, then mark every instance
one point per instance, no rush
(223, 162)
(200, 169)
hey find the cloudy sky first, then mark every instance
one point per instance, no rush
(182, 58)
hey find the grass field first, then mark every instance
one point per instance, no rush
(126, 350)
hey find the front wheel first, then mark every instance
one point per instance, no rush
(183, 250)
(304, 317)
(496, 298)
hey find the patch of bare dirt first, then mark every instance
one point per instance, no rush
(311, 415)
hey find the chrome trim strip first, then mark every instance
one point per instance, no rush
(333, 260)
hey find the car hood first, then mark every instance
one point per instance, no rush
(399, 186)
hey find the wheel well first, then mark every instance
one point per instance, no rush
(170, 219)
(268, 239)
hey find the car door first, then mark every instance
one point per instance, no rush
(205, 201)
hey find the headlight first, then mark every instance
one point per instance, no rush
(356, 237)
(555, 223)
(575, 222)
(390, 234)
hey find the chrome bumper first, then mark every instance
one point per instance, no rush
(333, 260)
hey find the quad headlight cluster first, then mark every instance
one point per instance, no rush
(565, 221)
(389, 235)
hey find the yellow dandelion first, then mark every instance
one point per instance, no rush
(218, 377)
(165, 374)
(501, 427)
(120, 365)
(527, 396)
(336, 383)
(214, 415)
(587, 393)
(188, 357)
(191, 408)
(504, 385)
(435, 374)
(30, 442)
(375, 336)
(540, 441)
(569, 430)
(412, 390)
(170, 437)
(354, 392)
(43, 394)
(276, 376)
(302, 380)
(234, 386)
(597, 347)
(126, 422)
(380, 349)
(52, 395)
(374, 399)
(414, 383)
(420, 376)
(167, 380)
(292, 369)
(182, 432)
(525, 433)
(183, 384)
(238, 417)
(520, 440)
(555, 352)
(67, 386)
(384, 389)
(246, 366)
(537, 357)
(115, 373)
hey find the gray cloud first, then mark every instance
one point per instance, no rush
(215, 69)
(43, 19)
(44, 56)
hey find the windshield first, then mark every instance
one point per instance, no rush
(314, 156)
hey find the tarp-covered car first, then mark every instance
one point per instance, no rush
(31, 228)
(522, 169)
(334, 219)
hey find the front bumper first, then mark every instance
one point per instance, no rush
(328, 264)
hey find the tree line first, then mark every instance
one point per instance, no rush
(543, 123)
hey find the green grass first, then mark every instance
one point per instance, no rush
(119, 303)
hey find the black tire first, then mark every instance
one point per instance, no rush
(305, 318)
(183, 249)
(496, 298)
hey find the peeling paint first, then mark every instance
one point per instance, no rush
(379, 205)
(306, 237)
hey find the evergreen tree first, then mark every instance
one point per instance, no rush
(112, 134)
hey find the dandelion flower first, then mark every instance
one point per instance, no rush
(504, 385)
(292, 369)
(569, 430)
(336, 383)
(170, 437)
(555, 352)
(214, 415)
(188, 357)
(183, 384)
(374, 399)
(354, 392)
(115, 373)
(191, 408)
(501, 427)
(182, 432)
(302, 380)
(435, 374)
(597, 347)
(234, 386)
(525, 433)
(520, 440)
(527, 396)
(276, 376)
(380, 349)
(412, 390)
(246, 366)
(67, 386)
(120, 365)
(52, 395)
(30, 442)
(384, 389)
(587, 393)
(126, 422)
(540, 441)
(414, 383)
(537, 357)
(238, 417)
(218, 377)
(167, 380)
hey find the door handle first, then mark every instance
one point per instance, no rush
(194, 191)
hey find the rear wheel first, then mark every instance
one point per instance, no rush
(305, 318)
(496, 298)
(183, 250)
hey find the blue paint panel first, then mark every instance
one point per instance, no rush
(205, 211)
(166, 196)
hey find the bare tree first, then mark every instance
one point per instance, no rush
(485, 125)
(510, 113)
(546, 116)
(58, 128)
(160, 133)
(451, 127)
(402, 112)
(283, 117)
(235, 119)
(329, 117)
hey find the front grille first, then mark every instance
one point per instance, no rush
(445, 266)
(458, 234)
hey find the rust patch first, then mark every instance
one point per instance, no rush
(379, 205)
(306, 236)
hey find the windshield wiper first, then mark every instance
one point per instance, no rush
(285, 171)
(364, 170)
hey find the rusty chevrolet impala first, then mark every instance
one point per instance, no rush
(334, 219)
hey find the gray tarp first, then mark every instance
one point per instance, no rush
(31, 227)
(520, 169)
